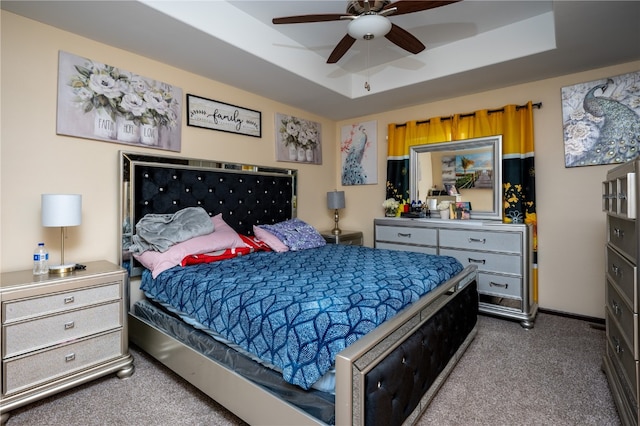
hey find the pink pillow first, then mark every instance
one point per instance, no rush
(222, 237)
(271, 240)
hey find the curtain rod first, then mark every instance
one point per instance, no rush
(472, 114)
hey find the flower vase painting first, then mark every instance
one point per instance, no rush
(298, 140)
(103, 102)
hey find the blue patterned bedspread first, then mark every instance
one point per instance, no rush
(297, 310)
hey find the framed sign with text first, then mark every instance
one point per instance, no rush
(214, 115)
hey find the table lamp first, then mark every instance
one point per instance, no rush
(61, 210)
(335, 201)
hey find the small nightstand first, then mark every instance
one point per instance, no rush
(351, 238)
(59, 331)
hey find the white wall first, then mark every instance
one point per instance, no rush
(34, 160)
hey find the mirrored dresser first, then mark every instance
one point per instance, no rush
(622, 355)
(502, 253)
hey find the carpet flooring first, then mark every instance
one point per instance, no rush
(549, 375)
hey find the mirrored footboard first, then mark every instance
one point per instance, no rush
(394, 378)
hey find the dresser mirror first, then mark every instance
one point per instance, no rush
(471, 167)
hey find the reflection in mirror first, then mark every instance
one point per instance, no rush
(474, 166)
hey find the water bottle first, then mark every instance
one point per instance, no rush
(40, 260)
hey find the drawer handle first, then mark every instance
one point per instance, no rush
(69, 325)
(70, 357)
(477, 240)
(69, 299)
(617, 347)
(618, 232)
(404, 235)
(492, 284)
(482, 261)
(616, 307)
(616, 270)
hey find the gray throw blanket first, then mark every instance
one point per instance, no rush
(160, 231)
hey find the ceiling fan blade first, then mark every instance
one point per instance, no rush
(342, 47)
(408, 6)
(404, 39)
(309, 18)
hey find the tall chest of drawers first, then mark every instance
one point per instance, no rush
(502, 253)
(60, 331)
(622, 355)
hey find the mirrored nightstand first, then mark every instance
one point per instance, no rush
(353, 238)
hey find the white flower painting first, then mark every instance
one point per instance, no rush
(298, 140)
(601, 121)
(103, 102)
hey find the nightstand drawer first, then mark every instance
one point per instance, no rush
(40, 306)
(508, 242)
(28, 336)
(28, 371)
(485, 261)
(399, 234)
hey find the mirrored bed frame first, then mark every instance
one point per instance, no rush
(387, 377)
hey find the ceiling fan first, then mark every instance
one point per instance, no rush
(369, 19)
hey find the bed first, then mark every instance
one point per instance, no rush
(388, 375)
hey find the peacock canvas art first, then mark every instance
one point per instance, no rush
(358, 150)
(601, 121)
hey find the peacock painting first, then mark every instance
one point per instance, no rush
(602, 121)
(358, 149)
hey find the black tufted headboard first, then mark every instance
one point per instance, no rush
(246, 195)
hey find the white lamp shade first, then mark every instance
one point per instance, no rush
(61, 209)
(335, 200)
(368, 27)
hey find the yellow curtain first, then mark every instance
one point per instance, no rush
(514, 123)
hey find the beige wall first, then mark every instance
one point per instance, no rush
(571, 226)
(35, 160)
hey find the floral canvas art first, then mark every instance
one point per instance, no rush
(601, 121)
(359, 153)
(298, 140)
(103, 102)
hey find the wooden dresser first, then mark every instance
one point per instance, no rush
(60, 331)
(502, 252)
(620, 362)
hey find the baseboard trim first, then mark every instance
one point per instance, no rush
(594, 320)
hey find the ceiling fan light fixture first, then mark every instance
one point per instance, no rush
(369, 26)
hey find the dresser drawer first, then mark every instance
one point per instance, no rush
(508, 242)
(499, 285)
(621, 234)
(623, 274)
(626, 318)
(406, 235)
(622, 355)
(28, 336)
(488, 262)
(40, 306)
(27, 371)
(405, 247)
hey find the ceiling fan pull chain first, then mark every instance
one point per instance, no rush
(366, 83)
